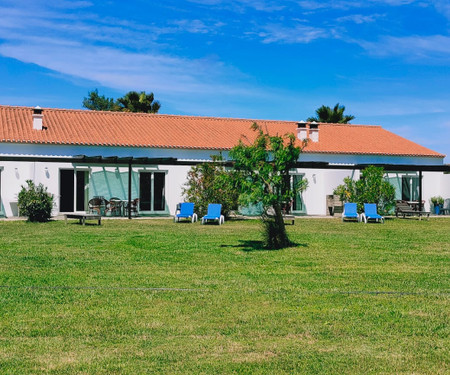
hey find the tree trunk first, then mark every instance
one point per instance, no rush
(275, 235)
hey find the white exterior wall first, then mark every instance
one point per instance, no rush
(321, 182)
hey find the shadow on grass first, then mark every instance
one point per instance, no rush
(248, 246)
(86, 224)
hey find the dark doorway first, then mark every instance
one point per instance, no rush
(66, 190)
(81, 188)
(152, 187)
(159, 196)
(145, 191)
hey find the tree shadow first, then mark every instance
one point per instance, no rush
(249, 245)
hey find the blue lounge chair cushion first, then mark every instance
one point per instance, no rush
(350, 211)
(370, 212)
(186, 212)
(214, 213)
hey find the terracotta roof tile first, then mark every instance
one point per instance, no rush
(83, 127)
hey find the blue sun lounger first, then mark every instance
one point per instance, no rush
(350, 212)
(214, 213)
(370, 213)
(186, 212)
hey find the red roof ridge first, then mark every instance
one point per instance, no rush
(348, 124)
(120, 113)
(123, 113)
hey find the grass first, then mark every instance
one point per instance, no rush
(143, 296)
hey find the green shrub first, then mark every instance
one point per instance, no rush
(370, 188)
(35, 202)
(211, 183)
(437, 201)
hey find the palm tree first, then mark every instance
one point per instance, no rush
(335, 115)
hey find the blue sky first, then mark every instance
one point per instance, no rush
(387, 61)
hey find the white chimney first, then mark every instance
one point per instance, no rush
(37, 118)
(302, 132)
(314, 131)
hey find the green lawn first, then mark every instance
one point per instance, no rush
(143, 296)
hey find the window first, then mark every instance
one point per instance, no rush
(410, 188)
(152, 187)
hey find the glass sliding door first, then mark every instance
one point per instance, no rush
(73, 190)
(66, 190)
(82, 192)
(145, 191)
(152, 195)
(159, 201)
(410, 188)
(297, 204)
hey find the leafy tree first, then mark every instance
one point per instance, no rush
(96, 102)
(370, 188)
(35, 202)
(211, 183)
(335, 115)
(130, 102)
(263, 178)
(138, 102)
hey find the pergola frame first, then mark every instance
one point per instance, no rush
(130, 161)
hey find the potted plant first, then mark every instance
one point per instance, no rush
(438, 203)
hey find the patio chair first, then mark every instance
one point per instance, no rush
(132, 208)
(96, 205)
(186, 212)
(446, 208)
(115, 206)
(214, 213)
(350, 212)
(370, 213)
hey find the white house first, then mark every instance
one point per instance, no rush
(79, 154)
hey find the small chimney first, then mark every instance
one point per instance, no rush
(302, 132)
(314, 131)
(37, 118)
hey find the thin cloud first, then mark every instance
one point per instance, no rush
(290, 35)
(240, 5)
(360, 18)
(196, 26)
(434, 48)
(442, 6)
(346, 4)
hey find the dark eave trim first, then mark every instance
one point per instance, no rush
(117, 160)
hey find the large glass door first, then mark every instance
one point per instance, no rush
(73, 190)
(152, 196)
(410, 188)
(297, 204)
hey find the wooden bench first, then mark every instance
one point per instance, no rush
(83, 217)
(290, 218)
